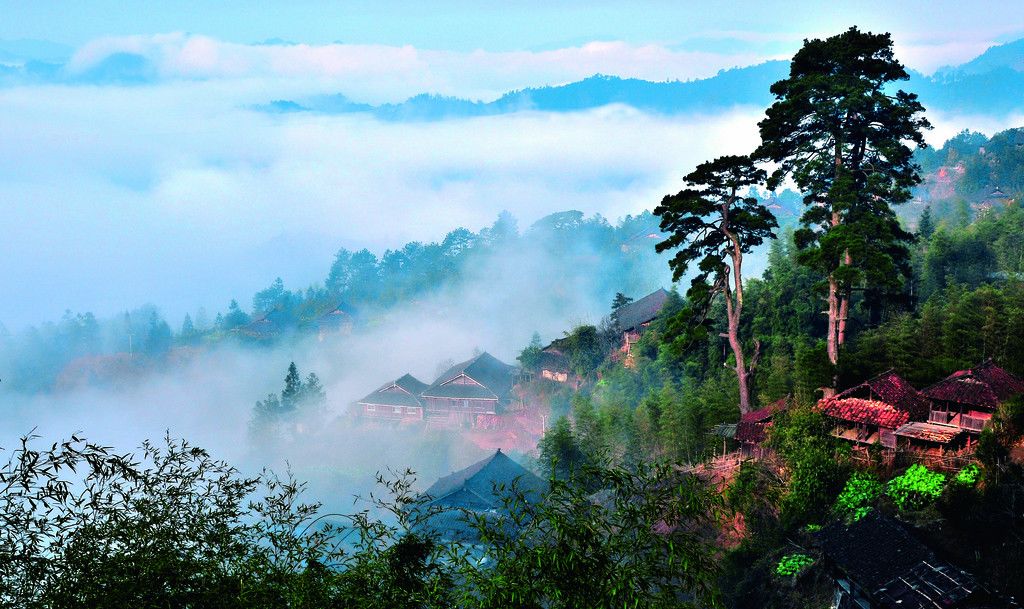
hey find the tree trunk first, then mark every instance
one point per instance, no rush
(734, 309)
(844, 308)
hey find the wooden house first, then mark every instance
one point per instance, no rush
(752, 429)
(554, 364)
(876, 563)
(927, 439)
(476, 490)
(479, 386)
(873, 411)
(968, 398)
(635, 317)
(336, 322)
(398, 400)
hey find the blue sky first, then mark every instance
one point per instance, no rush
(512, 25)
(175, 193)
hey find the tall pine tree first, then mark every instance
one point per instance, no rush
(841, 133)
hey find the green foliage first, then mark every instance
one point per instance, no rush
(916, 488)
(530, 356)
(816, 463)
(638, 544)
(858, 496)
(793, 564)
(969, 475)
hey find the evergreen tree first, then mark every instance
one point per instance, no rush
(188, 331)
(712, 224)
(530, 356)
(158, 338)
(925, 226)
(841, 133)
(292, 392)
(235, 318)
(618, 302)
(312, 394)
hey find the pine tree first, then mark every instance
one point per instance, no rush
(313, 394)
(713, 224)
(842, 134)
(925, 226)
(292, 392)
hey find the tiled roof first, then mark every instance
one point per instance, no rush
(891, 389)
(495, 376)
(403, 391)
(857, 410)
(635, 314)
(881, 556)
(986, 385)
(753, 425)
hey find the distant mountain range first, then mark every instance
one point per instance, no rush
(992, 83)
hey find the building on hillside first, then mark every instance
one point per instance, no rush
(267, 327)
(876, 563)
(968, 398)
(873, 411)
(480, 489)
(398, 400)
(479, 386)
(926, 439)
(635, 317)
(554, 364)
(336, 322)
(752, 429)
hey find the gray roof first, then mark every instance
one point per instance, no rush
(637, 313)
(403, 391)
(495, 376)
(477, 491)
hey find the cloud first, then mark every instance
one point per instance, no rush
(174, 194)
(391, 73)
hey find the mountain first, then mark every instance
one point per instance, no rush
(992, 83)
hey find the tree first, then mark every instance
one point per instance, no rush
(291, 395)
(618, 302)
(235, 318)
(712, 224)
(925, 226)
(842, 135)
(158, 338)
(530, 356)
(312, 393)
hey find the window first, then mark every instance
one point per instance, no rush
(370, 408)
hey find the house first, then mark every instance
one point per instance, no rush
(479, 386)
(968, 398)
(633, 318)
(337, 322)
(268, 326)
(873, 411)
(480, 489)
(554, 364)
(876, 563)
(398, 400)
(927, 439)
(751, 431)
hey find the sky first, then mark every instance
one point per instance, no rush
(174, 192)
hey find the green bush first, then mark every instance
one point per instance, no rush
(793, 564)
(858, 496)
(916, 488)
(969, 475)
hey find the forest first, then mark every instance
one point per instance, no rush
(894, 256)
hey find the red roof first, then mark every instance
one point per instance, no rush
(986, 385)
(752, 426)
(890, 388)
(857, 410)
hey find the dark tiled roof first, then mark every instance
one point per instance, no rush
(400, 392)
(480, 479)
(637, 313)
(870, 412)
(335, 317)
(891, 389)
(881, 556)
(495, 376)
(930, 432)
(551, 359)
(986, 385)
(753, 425)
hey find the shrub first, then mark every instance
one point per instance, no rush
(858, 496)
(917, 487)
(793, 564)
(968, 476)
